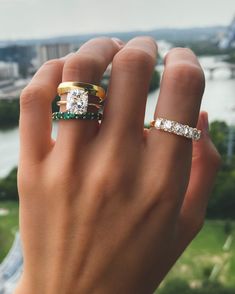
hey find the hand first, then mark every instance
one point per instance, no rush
(108, 209)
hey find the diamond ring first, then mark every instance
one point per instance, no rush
(176, 128)
(94, 90)
(78, 101)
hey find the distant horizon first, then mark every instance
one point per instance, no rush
(84, 34)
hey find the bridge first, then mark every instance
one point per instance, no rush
(212, 69)
(223, 66)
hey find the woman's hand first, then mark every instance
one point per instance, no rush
(109, 208)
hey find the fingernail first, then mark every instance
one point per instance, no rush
(119, 42)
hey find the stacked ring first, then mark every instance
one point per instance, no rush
(81, 101)
(176, 128)
(68, 116)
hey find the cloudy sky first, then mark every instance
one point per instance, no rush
(45, 18)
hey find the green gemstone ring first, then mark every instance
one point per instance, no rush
(69, 115)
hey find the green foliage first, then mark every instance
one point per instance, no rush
(228, 227)
(8, 186)
(181, 286)
(219, 134)
(175, 286)
(222, 202)
(9, 113)
(9, 224)
(155, 81)
(231, 58)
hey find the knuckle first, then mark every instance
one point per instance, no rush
(133, 59)
(100, 39)
(31, 94)
(185, 74)
(52, 63)
(84, 62)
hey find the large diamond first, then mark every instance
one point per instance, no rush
(77, 101)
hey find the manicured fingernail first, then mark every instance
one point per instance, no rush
(119, 42)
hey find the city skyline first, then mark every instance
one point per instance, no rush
(27, 19)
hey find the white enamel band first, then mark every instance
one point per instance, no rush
(176, 128)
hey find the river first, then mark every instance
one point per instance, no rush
(218, 101)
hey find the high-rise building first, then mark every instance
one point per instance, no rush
(51, 51)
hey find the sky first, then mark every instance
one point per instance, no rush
(23, 19)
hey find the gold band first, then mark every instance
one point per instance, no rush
(94, 90)
(64, 102)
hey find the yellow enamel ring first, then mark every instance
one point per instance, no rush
(94, 90)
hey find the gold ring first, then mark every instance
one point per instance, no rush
(94, 90)
(64, 102)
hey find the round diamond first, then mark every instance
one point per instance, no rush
(186, 131)
(178, 128)
(167, 125)
(196, 134)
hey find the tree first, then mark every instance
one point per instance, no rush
(8, 186)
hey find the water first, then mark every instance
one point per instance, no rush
(218, 101)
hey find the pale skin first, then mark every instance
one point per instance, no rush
(110, 208)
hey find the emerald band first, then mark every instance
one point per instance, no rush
(69, 115)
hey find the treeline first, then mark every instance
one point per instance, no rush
(9, 113)
(222, 201)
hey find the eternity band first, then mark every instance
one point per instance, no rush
(176, 128)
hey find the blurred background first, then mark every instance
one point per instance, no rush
(33, 31)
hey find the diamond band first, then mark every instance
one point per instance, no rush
(176, 128)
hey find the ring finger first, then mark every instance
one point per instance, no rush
(87, 65)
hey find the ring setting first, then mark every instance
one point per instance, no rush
(83, 101)
(176, 128)
(77, 101)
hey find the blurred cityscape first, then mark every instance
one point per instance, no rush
(21, 59)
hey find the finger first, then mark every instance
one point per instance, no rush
(132, 69)
(179, 100)
(87, 65)
(205, 165)
(35, 110)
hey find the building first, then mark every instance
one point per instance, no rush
(228, 39)
(51, 51)
(9, 70)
